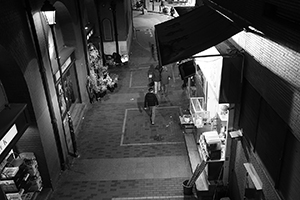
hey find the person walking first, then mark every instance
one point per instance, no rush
(151, 102)
(172, 11)
(161, 5)
(150, 76)
(165, 78)
(156, 78)
(152, 47)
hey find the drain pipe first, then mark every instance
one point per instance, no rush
(215, 55)
(113, 8)
(83, 36)
(242, 85)
(45, 85)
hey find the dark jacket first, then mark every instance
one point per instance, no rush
(150, 100)
(156, 75)
(165, 77)
(151, 70)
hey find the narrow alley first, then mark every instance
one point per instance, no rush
(123, 156)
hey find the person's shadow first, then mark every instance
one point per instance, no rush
(140, 101)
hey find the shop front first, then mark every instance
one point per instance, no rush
(209, 86)
(201, 72)
(211, 111)
(20, 176)
(67, 89)
(67, 85)
(213, 139)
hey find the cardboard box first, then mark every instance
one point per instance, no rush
(8, 186)
(9, 172)
(13, 196)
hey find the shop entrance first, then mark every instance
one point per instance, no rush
(68, 96)
(68, 93)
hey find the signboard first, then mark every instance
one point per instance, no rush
(8, 137)
(63, 68)
(66, 64)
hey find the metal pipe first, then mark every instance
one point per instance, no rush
(83, 37)
(100, 30)
(215, 55)
(113, 7)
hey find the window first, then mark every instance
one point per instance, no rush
(107, 30)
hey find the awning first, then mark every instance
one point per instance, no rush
(181, 10)
(191, 33)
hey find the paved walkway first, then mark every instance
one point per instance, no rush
(123, 156)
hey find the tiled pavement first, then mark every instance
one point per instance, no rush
(122, 156)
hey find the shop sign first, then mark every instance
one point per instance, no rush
(89, 34)
(66, 64)
(63, 68)
(57, 75)
(8, 137)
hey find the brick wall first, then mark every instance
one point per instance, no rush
(273, 70)
(238, 178)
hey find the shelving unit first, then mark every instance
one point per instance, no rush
(199, 115)
(20, 177)
(214, 164)
(187, 123)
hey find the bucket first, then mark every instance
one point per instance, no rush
(187, 190)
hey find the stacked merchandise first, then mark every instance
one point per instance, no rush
(35, 179)
(211, 145)
(99, 80)
(20, 178)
